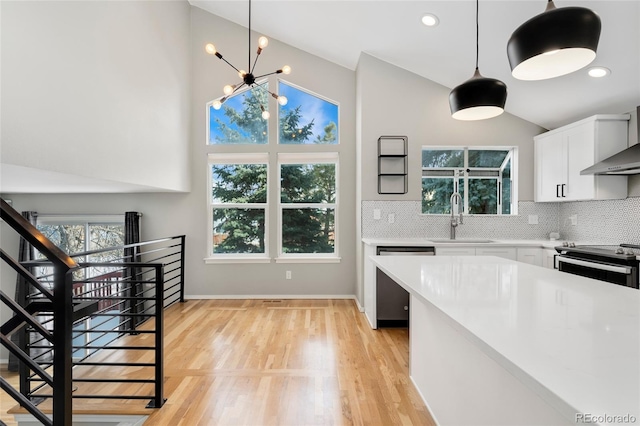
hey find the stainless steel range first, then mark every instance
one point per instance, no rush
(613, 264)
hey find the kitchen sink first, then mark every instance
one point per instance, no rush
(460, 241)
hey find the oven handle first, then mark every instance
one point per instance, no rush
(602, 266)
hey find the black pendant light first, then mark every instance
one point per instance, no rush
(554, 43)
(479, 97)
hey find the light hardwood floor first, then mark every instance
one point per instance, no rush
(289, 362)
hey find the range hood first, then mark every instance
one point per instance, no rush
(625, 162)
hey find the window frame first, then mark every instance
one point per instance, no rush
(466, 174)
(87, 221)
(236, 158)
(284, 158)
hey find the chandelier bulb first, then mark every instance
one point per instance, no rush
(282, 100)
(286, 70)
(217, 104)
(266, 115)
(242, 73)
(263, 42)
(210, 49)
(228, 89)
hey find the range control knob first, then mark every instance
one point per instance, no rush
(572, 244)
(629, 251)
(619, 250)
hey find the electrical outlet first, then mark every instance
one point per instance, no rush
(376, 214)
(288, 275)
(391, 218)
(533, 219)
(574, 219)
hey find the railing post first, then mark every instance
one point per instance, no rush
(182, 253)
(158, 398)
(62, 343)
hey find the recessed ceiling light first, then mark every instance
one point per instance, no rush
(598, 72)
(430, 20)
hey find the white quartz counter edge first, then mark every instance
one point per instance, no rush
(552, 398)
(411, 242)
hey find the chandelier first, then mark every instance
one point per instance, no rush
(247, 77)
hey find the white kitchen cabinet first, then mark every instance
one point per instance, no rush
(455, 251)
(532, 256)
(549, 258)
(562, 153)
(505, 252)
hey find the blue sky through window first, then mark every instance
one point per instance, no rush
(218, 119)
(311, 107)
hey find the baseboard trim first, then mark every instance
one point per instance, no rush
(360, 307)
(271, 296)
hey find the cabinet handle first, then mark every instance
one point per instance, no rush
(558, 191)
(563, 185)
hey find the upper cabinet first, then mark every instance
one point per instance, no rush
(562, 153)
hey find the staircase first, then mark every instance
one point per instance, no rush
(111, 370)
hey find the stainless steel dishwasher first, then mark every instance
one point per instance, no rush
(392, 301)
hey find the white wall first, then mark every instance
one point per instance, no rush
(186, 213)
(397, 102)
(98, 89)
(393, 101)
(312, 73)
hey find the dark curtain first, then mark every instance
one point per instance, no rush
(133, 288)
(25, 254)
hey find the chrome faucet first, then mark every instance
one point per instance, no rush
(454, 220)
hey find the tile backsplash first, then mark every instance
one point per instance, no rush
(606, 222)
(610, 221)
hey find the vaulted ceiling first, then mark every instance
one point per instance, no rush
(391, 30)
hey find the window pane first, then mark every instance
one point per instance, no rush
(308, 183)
(238, 230)
(486, 158)
(308, 230)
(436, 195)
(432, 158)
(239, 183)
(306, 119)
(69, 238)
(483, 196)
(105, 235)
(239, 120)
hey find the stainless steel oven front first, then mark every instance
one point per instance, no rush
(611, 272)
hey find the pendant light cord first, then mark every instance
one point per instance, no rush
(249, 55)
(477, 33)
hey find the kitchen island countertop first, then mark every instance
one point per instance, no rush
(572, 340)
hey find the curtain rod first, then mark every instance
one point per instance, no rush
(82, 214)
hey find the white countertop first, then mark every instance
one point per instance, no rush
(461, 242)
(573, 340)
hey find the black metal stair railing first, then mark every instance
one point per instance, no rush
(57, 298)
(112, 322)
(117, 346)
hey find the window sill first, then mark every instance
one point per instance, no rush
(236, 259)
(309, 259)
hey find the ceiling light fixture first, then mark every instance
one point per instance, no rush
(554, 43)
(598, 72)
(479, 97)
(430, 20)
(248, 78)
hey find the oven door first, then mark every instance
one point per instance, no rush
(610, 272)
